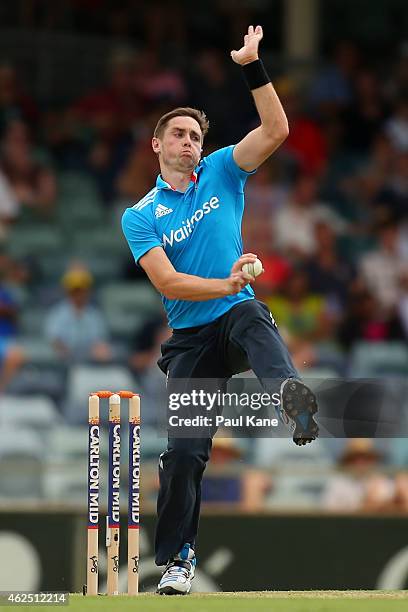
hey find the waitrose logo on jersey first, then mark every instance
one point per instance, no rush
(186, 228)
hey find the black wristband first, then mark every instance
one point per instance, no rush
(255, 74)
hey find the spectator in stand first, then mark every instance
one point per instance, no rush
(402, 307)
(9, 206)
(365, 320)
(302, 318)
(364, 119)
(12, 356)
(397, 84)
(305, 146)
(227, 482)
(145, 351)
(32, 184)
(382, 269)
(146, 345)
(400, 499)
(76, 328)
(160, 18)
(157, 82)
(393, 197)
(140, 169)
(266, 192)
(258, 238)
(108, 115)
(362, 485)
(374, 190)
(396, 127)
(14, 102)
(115, 107)
(18, 278)
(8, 313)
(296, 220)
(328, 275)
(332, 89)
(213, 88)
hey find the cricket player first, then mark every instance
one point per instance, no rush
(186, 234)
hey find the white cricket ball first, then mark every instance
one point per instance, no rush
(253, 269)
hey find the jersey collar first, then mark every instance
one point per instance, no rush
(162, 184)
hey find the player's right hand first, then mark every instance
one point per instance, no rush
(245, 258)
(238, 279)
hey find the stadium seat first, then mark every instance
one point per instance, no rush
(300, 491)
(103, 269)
(73, 185)
(68, 484)
(37, 350)
(35, 241)
(37, 413)
(319, 373)
(31, 321)
(21, 464)
(40, 378)
(79, 212)
(370, 359)
(127, 305)
(104, 240)
(398, 452)
(83, 379)
(281, 452)
(52, 268)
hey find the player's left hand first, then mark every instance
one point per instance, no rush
(249, 52)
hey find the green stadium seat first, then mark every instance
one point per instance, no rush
(370, 359)
(35, 241)
(73, 184)
(319, 373)
(31, 322)
(127, 305)
(103, 240)
(83, 379)
(79, 211)
(21, 464)
(37, 350)
(37, 413)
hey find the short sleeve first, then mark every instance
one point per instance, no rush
(139, 232)
(223, 161)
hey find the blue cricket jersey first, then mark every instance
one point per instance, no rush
(200, 231)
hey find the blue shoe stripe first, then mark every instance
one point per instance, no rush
(184, 552)
(304, 419)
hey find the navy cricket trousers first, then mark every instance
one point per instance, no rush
(243, 338)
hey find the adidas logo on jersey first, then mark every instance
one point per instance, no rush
(161, 211)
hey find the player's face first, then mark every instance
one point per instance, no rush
(180, 146)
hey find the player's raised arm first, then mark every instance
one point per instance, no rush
(259, 144)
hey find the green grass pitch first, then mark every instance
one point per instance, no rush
(267, 601)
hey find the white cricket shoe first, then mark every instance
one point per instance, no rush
(179, 572)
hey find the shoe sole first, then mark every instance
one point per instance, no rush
(170, 591)
(298, 402)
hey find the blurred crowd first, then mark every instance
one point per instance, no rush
(327, 214)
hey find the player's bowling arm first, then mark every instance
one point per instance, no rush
(261, 142)
(179, 286)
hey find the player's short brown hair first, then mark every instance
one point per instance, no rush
(184, 111)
